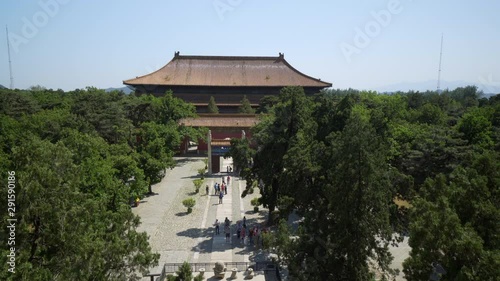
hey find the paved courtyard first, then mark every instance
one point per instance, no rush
(180, 237)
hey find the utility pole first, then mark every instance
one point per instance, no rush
(439, 71)
(10, 61)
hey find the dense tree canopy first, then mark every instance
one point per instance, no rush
(79, 158)
(361, 169)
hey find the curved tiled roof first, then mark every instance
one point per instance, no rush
(228, 71)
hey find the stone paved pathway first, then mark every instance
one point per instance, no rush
(179, 236)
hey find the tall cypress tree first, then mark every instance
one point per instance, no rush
(245, 106)
(274, 136)
(212, 106)
(344, 197)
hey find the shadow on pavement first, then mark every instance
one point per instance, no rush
(181, 161)
(236, 244)
(182, 214)
(151, 194)
(196, 232)
(191, 177)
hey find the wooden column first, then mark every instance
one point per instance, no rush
(209, 142)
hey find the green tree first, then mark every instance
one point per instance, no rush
(16, 104)
(185, 273)
(63, 232)
(144, 108)
(431, 114)
(155, 145)
(174, 109)
(126, 164)
(242, 154)
(212, 106)
(342, 188)
(468, 96)
(104, 112)
(477, 127)
(454, 224)
(350, 222)
(266, 103)
(246, 107)
(422, 151)
(274, 136)
(281, 242)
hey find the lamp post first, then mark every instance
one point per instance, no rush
(128, 183)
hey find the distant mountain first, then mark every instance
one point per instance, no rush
(489, 95)
(2, 87)
(127, 90)
(431, 85)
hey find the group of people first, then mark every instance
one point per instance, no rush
(227, 228)
(220, 188)
(243, 232)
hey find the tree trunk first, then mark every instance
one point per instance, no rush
(272, 202)
(34, 241)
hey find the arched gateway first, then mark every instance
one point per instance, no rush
(228, 79)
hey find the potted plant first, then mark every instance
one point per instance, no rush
(189, 204)
(197, 184)
(255, 203)
(201, 173)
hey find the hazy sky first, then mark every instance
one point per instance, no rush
(363, 44)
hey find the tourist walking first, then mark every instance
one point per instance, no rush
(238, 229)
(250, 236)
(263, 232)
(206, 189)
(227, 231)
(216, 224)
(221, 195)
(243, 234)
(256, 234)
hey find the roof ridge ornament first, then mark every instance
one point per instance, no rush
(176, 54)
(282, 55)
